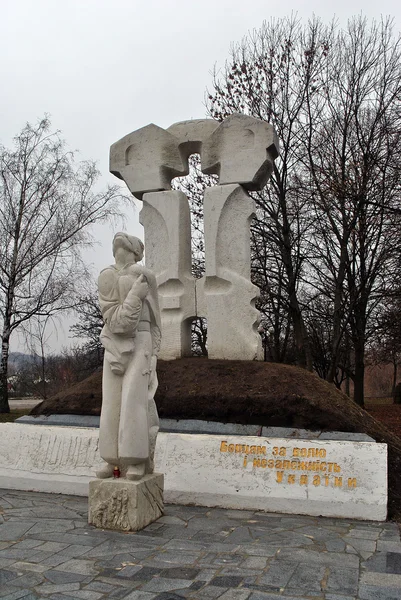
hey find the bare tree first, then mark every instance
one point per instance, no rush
(37, 336)
(63, 370)
(354, 145)
(319, 319)
(268, 77)
(89, 325)
(385, 342)
(327, 229)
(47, 205)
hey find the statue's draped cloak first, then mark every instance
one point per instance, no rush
(131, 338)
(122, 312)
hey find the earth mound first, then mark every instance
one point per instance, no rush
(247, 393)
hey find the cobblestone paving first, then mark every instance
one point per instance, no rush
(47, 550)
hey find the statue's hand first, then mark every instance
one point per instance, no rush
(140, 287)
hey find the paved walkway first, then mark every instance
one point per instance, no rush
(47, 550)
(23, 403)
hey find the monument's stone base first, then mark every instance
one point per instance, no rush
(126, 505)
(332, 478)
(198, 426)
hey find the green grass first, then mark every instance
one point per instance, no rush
(14, 414)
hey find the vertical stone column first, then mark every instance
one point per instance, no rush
(166, 220)
(225, 295)
(241, 150)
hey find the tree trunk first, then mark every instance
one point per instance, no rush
(359, 379)
(338, 314)
(394, 377)
(5, 350)
(347, 365)
(301, 338)
(347, 385)
(43, 374)
(5, 346)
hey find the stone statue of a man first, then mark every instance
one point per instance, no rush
(131, 337)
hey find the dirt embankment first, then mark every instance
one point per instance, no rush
(249, 393)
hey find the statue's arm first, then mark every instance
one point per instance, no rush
(121, 318)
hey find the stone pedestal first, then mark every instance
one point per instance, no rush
(126, 505)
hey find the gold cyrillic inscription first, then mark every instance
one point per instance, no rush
(327, 470)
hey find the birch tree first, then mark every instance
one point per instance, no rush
(47, 206)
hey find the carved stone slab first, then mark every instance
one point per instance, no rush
(241, 151)
(334, 478)
(147, 159)
(311, 477)
(167, 224)
(126, 505)
(225, 295)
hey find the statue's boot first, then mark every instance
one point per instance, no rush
(105, 471)
(135, 472)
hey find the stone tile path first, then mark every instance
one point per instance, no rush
(47, 550)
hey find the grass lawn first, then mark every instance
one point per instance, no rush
(14, 414)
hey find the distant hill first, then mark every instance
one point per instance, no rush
(19, 359)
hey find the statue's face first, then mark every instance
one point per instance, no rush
(128, 243)
(122, 249)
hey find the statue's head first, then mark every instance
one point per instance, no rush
(128, 243)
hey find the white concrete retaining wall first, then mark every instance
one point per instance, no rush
(329, 478)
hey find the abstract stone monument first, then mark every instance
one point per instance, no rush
(129, 422)
(241, 151)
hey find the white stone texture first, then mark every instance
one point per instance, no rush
(198, 471)
(64, 460)
(191, 135)
(125, 505)
(225, 294)
(48, 458)
(147, 159)
(131, 337)
(166, 220)
(241, 150)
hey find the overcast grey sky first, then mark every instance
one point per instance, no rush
(103, 68)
